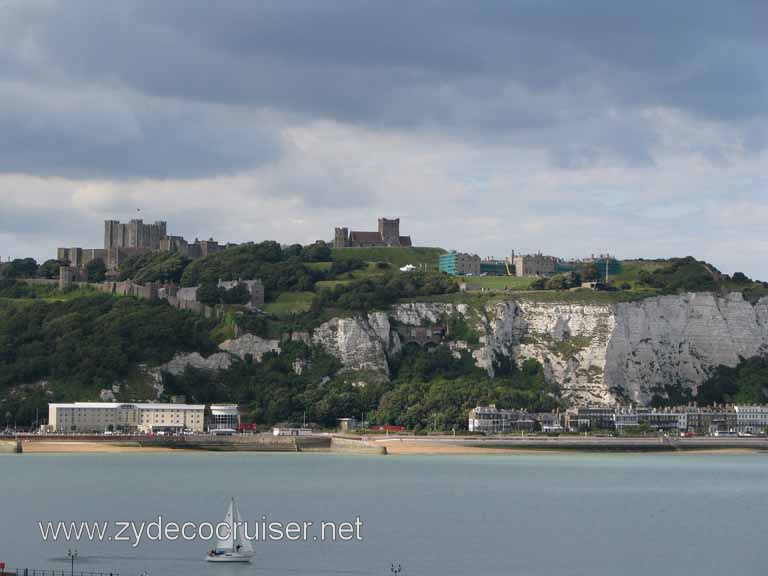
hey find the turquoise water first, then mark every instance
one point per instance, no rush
(444, 515)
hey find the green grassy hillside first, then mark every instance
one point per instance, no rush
(395, 256)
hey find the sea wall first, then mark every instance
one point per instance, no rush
(10, 447)
(356, 446)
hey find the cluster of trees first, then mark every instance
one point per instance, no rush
(276, 266)
(274, 392)
(85, 344)
(20, 268)
(29, 268)
(558, 282)
(212, 294)
(745, 383)
(382, 291)
(10, 288)
(682, 275)
(437, 390)
(165, 267)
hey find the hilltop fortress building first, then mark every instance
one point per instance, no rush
(123, 240)
(134, 234)
(387, 235)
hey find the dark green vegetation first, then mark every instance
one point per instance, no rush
(10, 288)
(746, 383)
(165, 267)
(211, 294)
(280, 270)
(644, 278)
(687, 274)
(683, 275)
(435, 390)
(304, 285)
(384, 290)
(429, 390)
(85, 344)
(21, 268)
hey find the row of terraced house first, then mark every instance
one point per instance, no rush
(728, 419)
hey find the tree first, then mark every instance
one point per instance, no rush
(238, 295)
(590, 272)
(741, 278)
(21, 268)
(97, 270)
(317, 252)
(50, 268)
(210, 294)
(293, 251)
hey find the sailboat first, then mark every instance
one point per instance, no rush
(236, 547)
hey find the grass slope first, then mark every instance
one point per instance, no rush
(289, 303)
(498, 282)
(395, 256)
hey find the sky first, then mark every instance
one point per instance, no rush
(571, 128)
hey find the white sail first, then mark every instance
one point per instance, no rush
(245, 545)
(228, 543)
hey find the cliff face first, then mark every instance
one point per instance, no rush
(676, 340)
(596, 353)
(360, 343)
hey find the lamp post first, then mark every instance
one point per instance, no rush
(72, 555)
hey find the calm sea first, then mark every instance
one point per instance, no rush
(482, 515)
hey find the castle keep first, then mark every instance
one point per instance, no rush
(388, 234)
(123, 240)
(134, 234)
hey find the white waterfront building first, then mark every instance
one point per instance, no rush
(751, 419)
(127, 417)
(492, 420)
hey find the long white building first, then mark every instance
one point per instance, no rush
(751, 419)
(136, 417)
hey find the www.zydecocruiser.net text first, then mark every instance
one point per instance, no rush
(160, 530)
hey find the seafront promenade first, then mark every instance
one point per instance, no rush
(34, 443)
(381, 445)
(448, 444)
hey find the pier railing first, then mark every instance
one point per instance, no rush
(33, 572)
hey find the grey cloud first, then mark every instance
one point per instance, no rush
(491, 71)
(90, 132)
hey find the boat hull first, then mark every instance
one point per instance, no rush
(228, 558)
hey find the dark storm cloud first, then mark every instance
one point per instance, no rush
(85, 133)
(531, 73)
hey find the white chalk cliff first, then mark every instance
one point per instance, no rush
(597, 353)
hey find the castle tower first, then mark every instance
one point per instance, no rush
(111, 233)
(389, 230)
(341, 238)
